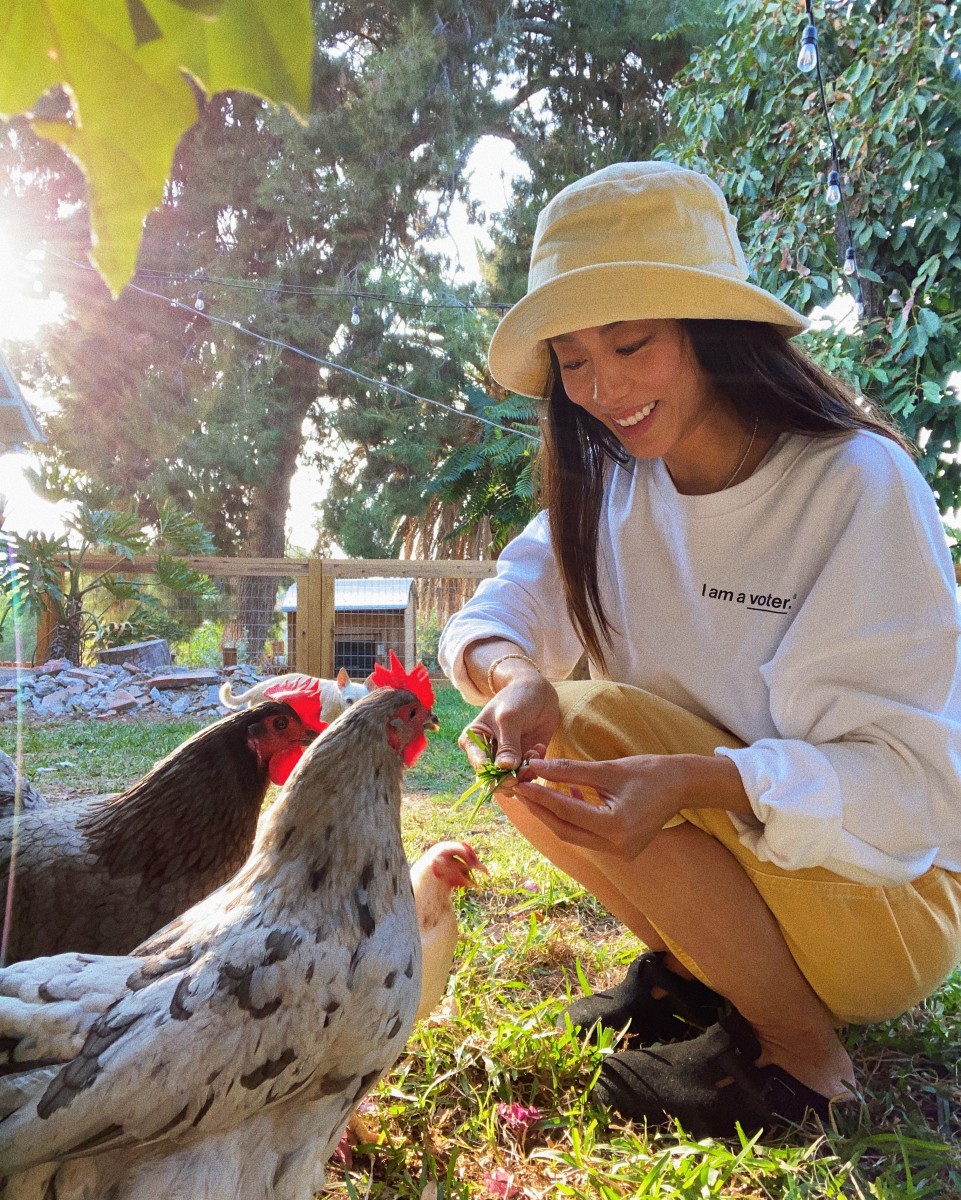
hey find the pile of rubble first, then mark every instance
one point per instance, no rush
(58, 690)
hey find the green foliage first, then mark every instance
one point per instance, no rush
(42, 573)
(150, 49)
(428, 639)
(492, 476)
(202, 648)
(742, 112)
(488, 779)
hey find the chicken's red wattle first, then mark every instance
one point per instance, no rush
(281, 765)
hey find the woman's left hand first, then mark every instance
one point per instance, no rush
(635, 797)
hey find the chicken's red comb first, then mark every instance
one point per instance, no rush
(303, 696)
(416, 681)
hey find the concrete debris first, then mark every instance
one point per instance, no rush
(61, 691)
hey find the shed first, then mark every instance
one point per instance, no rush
(371, 616)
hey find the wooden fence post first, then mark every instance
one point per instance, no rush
(328, 621)
(315, 621)
(306, 618)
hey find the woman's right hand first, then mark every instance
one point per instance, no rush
(518, 722)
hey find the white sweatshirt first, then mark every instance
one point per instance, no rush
(810, 610)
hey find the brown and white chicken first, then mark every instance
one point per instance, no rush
(100, 874)
(434, 876)
(224, 1056)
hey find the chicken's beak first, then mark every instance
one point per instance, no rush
(467, 866)
(431, 724)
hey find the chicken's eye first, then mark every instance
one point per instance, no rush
(281, 723)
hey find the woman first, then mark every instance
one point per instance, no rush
(761, 778)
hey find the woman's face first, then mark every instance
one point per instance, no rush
(641, 380)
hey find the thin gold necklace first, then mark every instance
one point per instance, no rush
(737, 469)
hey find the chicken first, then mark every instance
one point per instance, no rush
(101, 874)
(445, 866)
(335, 694)
(434, 876)
(225, 1055)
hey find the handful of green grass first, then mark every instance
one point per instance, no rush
(489, 776)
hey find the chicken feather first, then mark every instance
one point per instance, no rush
(223, 1057)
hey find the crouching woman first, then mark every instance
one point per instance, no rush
(761, 776)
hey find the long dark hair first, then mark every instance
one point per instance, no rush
(753, 366)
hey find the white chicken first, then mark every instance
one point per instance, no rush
(434, 876)
(223, 1057)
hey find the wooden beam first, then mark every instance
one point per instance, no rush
(328, 617)
(409, 568)
(221, 567)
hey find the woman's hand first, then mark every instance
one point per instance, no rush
(615, 807)
(518, 722)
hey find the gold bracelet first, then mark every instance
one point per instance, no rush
(503, 658)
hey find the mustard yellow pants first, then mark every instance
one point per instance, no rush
(869, 953)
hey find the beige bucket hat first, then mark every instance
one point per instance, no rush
(633, 241)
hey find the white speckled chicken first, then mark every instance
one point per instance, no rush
(100, 874)
(225, 1055)
(434, 876)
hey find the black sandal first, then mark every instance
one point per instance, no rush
(682, 1082)
(686, 1010)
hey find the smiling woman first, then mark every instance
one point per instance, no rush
(760, 778)
(642, 381)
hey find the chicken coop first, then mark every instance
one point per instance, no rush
(371, 616)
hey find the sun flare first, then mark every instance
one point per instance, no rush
(24, 306)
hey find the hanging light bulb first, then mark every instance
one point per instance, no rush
(807, 58)
(199, 304)
(355, 313)
(833, 195)
(896, 300)
(850, 262)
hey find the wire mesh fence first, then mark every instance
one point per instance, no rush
(276, 615)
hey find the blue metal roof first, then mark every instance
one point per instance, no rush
(356, 594)
(18, 425)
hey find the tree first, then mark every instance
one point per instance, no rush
(742, 112)
(273, 226)
(589, 82)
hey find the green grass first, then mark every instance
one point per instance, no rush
(529, 934)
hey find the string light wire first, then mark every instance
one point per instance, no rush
(303, 289)
(850, 265)
(329, 363)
